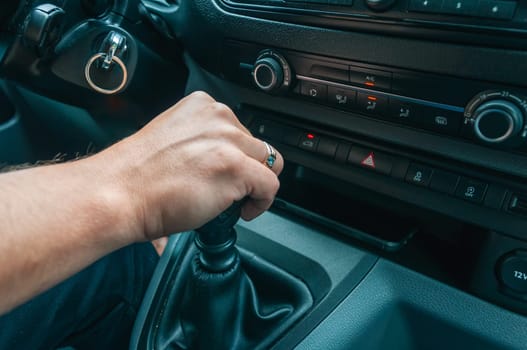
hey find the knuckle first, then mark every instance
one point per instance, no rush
(228, 159)
(200, 95)
(275, 185)
(222, 110)
(233, 134)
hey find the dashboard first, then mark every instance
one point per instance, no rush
(412, 113)
(419, 103)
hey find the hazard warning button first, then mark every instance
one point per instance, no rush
(371, 159)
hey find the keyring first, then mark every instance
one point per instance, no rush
(97, 88)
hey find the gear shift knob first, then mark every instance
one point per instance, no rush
(216, 240)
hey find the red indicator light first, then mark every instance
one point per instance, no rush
(372, 98)
(310, 136)
(369, 83)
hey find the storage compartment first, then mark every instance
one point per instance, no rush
(395, 308)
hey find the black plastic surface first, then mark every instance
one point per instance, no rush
(395, 308)
(203, 18)
(466, 203)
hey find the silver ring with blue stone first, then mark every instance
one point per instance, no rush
(270, 158)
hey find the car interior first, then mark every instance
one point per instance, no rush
(401, 219)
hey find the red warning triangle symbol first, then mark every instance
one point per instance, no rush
(369, 161)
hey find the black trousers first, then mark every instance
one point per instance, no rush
(94, 309)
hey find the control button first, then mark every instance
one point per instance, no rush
(497, 9)
(327, 147)
(371, 78)
(372, 103)
(471, 190)
(400, 167)
(308, 141)
(518, 204)
(442, 120)
(425, 5)
(460, 7)
(370, 159)
(512, 271)
(343, 150)
(444, 182)
(266, 129)
(343, 98)
(329, 71)
(419, 175)
(314, 90)
(494, 197)
(404, 112)
(290, 136)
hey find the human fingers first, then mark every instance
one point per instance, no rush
(261, 187)
(265, 153)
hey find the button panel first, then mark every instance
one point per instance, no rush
(493, 9)
(443, 119)
(422, 175)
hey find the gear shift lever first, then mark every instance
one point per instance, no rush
(221, 299)
(216, 240)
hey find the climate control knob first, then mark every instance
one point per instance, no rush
(268, 74)
(271, 72)
(498, 117)
(498, 120)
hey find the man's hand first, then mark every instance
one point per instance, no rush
(188, 165)
(178, 172)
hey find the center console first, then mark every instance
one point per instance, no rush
(404, 129)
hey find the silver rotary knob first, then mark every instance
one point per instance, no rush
(498, 120)
(268, 75)
(271, 72)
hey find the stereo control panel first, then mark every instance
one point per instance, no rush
(496, 22)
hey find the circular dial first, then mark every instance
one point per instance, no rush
(268, 74)
(271, 72)
(379, 5)
(498, 117)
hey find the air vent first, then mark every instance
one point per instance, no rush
(518, 204)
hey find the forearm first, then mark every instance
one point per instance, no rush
(178, 172)
(54, 221)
